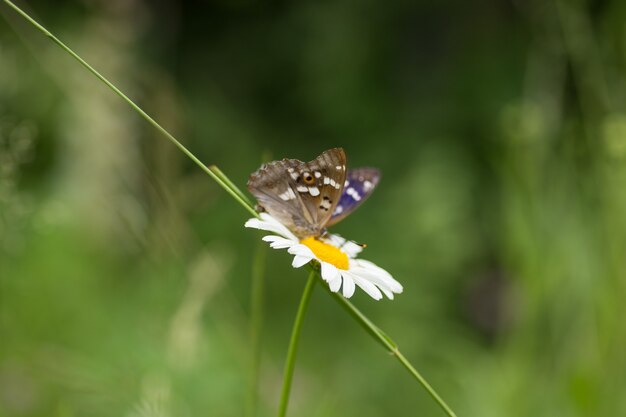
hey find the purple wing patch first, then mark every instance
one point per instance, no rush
(359, 185)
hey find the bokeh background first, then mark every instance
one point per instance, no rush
(125, 271)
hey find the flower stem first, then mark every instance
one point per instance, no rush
(235, 193)
(293, 343)
(256, 326)
(391, 346)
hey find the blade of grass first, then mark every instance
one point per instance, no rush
(256, 307)
(231, 184)
(293, 343)
(390, 345)
(256, 326)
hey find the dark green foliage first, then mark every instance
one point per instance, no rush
(500, 128)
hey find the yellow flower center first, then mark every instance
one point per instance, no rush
(327, 253)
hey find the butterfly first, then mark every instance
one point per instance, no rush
(308, 197)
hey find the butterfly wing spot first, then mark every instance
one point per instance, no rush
(293, 174)
(346, 184)
(353, 193)
(308, 178)
(314, 191)
(326, 203)
(332, 182)
(338, 210)
(287, 195)
(317, 174)
(367, 185)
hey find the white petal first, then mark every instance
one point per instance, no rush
(281, 245)
(348, 284)
(382, 279)
(335, 240)
(284, 231)
(263, 225)
(368, 287)
(346, 246)
(352, 249)
(335, 284)
(267, 222)
(375, 274)
(381, 283)
(301, 250)
(387, 292)
(299, 261)
(253, 223)
(278, 242)
(329, 272)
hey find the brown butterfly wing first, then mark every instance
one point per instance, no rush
(301, 195)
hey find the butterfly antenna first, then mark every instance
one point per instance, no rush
(362, 245)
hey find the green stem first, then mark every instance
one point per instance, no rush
(391, 346)
(231, 184)
(293, 344)
(256, 325)
(233, 192)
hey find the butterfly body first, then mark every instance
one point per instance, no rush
(307, 197)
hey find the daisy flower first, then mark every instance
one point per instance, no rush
(340, 267)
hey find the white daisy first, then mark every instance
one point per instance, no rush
(337, 257)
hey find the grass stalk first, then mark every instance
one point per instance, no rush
(390, 345)
(293, 343)
(227, 181)
(256, 326)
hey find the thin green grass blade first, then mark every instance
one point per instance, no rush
(256, 326)
(223, 177)
(390, 345)
(293, 343)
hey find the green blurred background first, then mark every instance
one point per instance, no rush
(500, 128)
